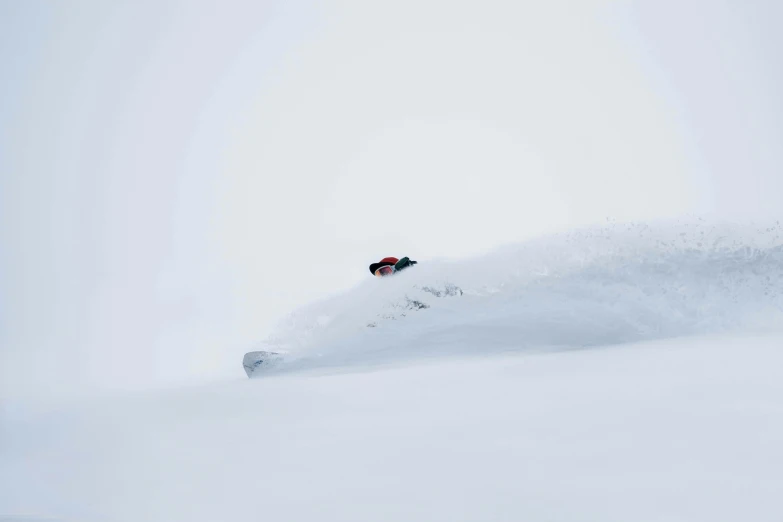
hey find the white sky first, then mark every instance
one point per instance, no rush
(176, 176)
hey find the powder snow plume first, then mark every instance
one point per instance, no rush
(613, 284)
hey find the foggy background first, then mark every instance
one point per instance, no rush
(176, 176)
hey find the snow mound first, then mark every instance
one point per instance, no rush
(613, 284)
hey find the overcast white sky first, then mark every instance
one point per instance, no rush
(174, 176)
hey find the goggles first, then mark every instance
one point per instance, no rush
(384, 271)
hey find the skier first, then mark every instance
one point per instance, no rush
(390, 265)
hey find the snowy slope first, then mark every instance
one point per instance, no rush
(626, 373)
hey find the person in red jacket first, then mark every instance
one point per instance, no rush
(390, 265)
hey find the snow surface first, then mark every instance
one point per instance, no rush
(622, 373)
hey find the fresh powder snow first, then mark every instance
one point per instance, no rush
(627, 372)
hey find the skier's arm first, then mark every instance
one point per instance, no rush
(405, 262)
